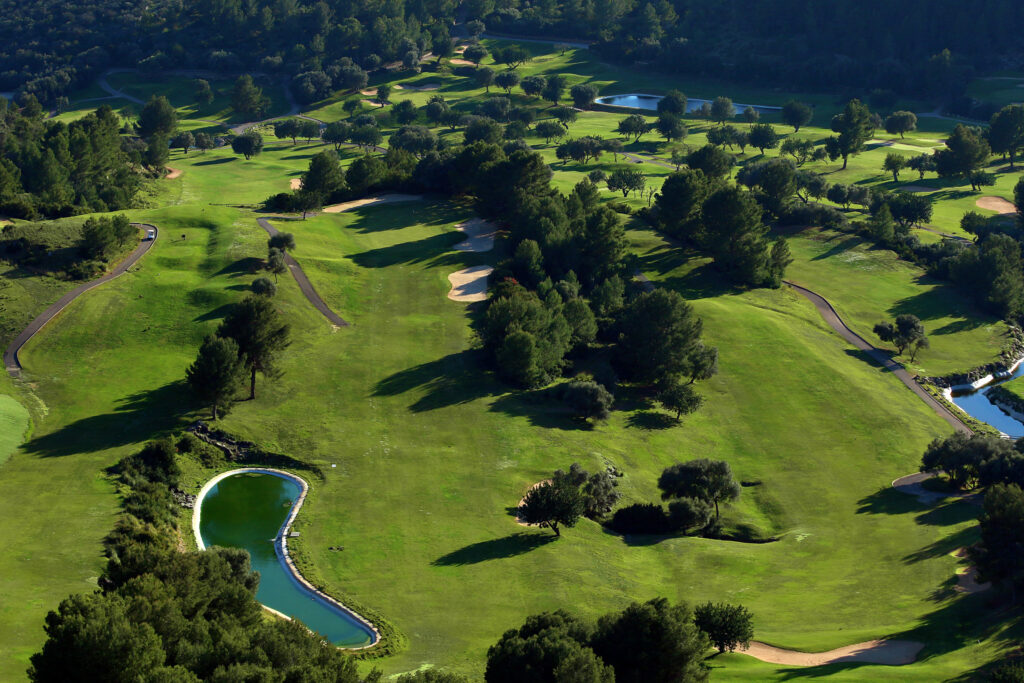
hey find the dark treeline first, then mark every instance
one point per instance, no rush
(852, 44)
(72, 41)
(48, 168)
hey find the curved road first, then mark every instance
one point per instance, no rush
(828, 313)
(304, 284)
(11, 361)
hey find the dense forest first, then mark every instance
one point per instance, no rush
(796, 43)
(50, 168)
(71, 42)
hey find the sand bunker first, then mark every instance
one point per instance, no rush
(967, 577)
(519, 520)
(172, 173)
(382, 199)
(469, 284)
(889, 652)
(461, 62)
(295, 183)
(997, 204)
(479, 235)
(369, 92)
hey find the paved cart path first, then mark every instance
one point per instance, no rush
(11, 361)
(304, 284)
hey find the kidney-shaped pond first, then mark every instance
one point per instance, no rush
(248, 510)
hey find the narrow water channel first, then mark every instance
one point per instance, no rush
(977, 405)
(247, 511)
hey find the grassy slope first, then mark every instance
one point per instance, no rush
(867, 285)
(430, 451)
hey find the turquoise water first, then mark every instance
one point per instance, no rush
(976, 404)
(650, 103)
(247, 511)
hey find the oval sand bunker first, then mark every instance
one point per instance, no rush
(997, 204)
(887, 652)
(469, 284)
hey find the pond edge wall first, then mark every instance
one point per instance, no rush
(281, 546)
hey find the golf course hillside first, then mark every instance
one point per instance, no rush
(505, 351)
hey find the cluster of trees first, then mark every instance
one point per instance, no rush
(651, 641)
(760, 45)
(906, 333)
(699, 206)
(694, 489)
(166, 615)
(250, 340)
(976, 460)
(567, 496)
(322, 45)
(49, 168)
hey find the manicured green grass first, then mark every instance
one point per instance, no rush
(14, 421)
(867, 285)
(431, 451)
(1015, 387)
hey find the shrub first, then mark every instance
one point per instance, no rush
(586, 399)
(689, 514)
(641, 518)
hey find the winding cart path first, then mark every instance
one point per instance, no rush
(11, 360)
(304, 284)
(831, 317)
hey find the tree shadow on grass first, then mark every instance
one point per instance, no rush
(940, 302)
(944, 546)
(241, 267)
(435, 249)
(214, 162)
(495, 549)
(649, 419)
(957, 512)
(215, 314)
(399, 215)
(842, 243)
(540, 410)
(138, 417)
(703, 282)
(455, 379)
(888, 501)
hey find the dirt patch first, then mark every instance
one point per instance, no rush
(888, 652)
(997, 204)
(469, 284)
(916, 188)
(382, 199)
(295, 183)
(172, 173)
(519, 520)
(967, 577)
(479, 235)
